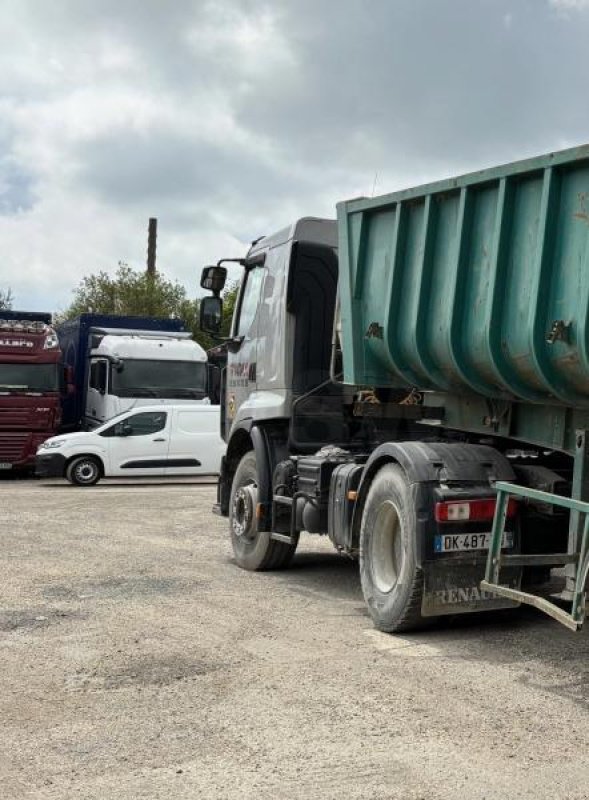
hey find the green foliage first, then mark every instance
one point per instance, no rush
(130, 292)
(6, 299)
(135, 293)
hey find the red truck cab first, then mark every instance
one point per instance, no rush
(31, 386)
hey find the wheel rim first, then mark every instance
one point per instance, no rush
(386, 550)
(85, 471)
(243, 518)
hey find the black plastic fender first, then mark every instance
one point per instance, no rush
(427, 465)
(268, 442)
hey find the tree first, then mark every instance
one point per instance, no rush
(129, 291)
(137, 293)
(6, 299)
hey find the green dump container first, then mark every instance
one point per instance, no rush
(477, 284)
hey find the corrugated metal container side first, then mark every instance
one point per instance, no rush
(478, 284)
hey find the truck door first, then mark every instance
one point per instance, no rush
(95, 411)
(242, 355)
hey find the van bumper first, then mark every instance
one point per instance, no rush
(50, 465)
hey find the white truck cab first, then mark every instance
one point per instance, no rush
(160, 440)
(131, 369)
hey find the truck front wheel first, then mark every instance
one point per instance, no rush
(253, 549)
(392, 583)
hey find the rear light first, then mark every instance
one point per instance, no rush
(471, 510)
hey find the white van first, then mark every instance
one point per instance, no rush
(158, 440)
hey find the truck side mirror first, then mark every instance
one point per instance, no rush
(211, 314)
(213, 279)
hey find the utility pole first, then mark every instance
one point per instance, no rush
(151, 243)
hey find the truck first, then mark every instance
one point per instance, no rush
(122, 362)
(32, 382)
(412, 381)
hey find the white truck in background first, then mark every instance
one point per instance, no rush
(120, 363)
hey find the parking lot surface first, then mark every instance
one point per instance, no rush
(139, 662)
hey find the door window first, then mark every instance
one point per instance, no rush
(98, 373)
(143, 424)
(249, 300)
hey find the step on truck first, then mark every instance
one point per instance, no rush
(412, 381)
(32, 384)
(123, 362)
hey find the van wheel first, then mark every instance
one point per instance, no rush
(83, 471)
(253, 549)
(392, 583)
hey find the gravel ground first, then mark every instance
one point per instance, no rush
(139, 662)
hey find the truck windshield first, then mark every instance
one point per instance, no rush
(29, 377)
(170, 379)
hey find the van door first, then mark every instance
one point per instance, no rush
(139, 444)
(195, 444)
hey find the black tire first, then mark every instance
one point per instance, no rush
(392, 583)
(253, 549)
(83, 471)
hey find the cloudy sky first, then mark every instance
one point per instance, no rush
(227, 119)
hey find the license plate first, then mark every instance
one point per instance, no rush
(453, 542)
(5, 465)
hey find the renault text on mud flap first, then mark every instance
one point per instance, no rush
(466, 594)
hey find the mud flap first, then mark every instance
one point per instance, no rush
(452, 587)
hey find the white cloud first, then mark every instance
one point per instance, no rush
(575, 5)
(228, 119)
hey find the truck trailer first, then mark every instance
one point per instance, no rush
(32, 383)
(121, 362)
(412, 380)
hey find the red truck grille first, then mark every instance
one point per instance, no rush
(12, 446)
(14, 417)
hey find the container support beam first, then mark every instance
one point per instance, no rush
(580, 491)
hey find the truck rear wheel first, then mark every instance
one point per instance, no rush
(392, 583)
(83, 471)
(253, 549)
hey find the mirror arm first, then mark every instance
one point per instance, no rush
(234, 343)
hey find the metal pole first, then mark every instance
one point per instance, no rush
(151, 244)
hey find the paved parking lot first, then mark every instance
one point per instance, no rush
(139, 662)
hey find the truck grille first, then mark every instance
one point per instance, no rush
(14, 417)
(12, 446)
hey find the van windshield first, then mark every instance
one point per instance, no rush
(169, 379)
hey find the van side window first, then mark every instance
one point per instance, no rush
(145, 423)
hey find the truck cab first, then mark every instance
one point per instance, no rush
(288, 291)
(121, 362)
(130, 370)
(31, 386)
